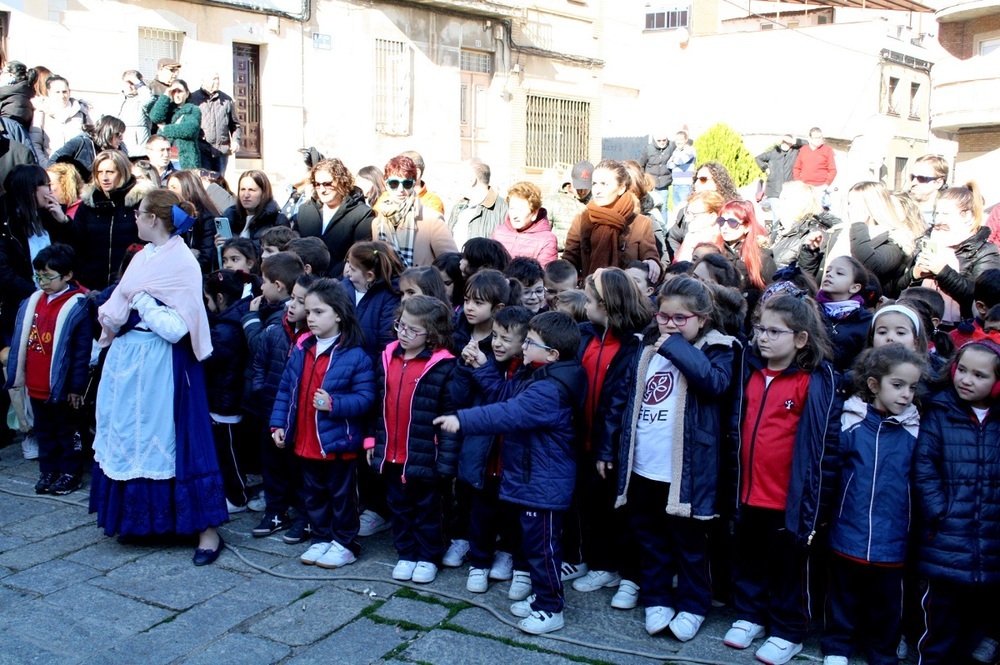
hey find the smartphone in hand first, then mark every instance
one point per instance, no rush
(222, 227)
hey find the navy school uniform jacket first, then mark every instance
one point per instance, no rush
(706, 369)
(350, 381)
(535, 414)
(71, 345)
(848, 336)
(376, 313)
(267, 365)
(225, 369)
(873, 511)
(814, 456)
(431, 453)
(957, 480)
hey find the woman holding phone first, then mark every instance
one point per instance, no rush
(255, 210)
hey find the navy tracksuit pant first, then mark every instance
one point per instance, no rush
(863, 601)
(55, 430)
(541, 547)
(330, 494)
(490, 519)
(955, 616)
(417, 522)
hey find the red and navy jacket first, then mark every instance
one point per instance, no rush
(347, 375)
(427, 453)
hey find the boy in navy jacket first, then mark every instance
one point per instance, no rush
(50, 355)
(535, 414)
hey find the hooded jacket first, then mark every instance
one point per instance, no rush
(51, 128)
(537, 423)
(873, 510)
(537, 241)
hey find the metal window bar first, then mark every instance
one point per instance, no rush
(155, 43)
(392, 87)
(558, 130)
(474, 61)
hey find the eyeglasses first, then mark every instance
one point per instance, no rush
(538, 293)
(528, 342)
(703, 179)
(679, 320)
(406, 331)
(45, 279)
(732, 221)
(394, 183)
(923, 179)
(771, 334)
(325, 185)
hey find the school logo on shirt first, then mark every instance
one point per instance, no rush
(658, 388)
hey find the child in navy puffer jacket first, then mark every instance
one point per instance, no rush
(371, 277)
(327, 389)
(872, 511)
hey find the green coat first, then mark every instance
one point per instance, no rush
(182, 126)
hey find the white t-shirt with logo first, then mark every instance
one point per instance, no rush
(654, 433)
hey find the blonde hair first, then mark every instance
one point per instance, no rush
(801, 200)
(875, 197)
(69, 180)
(527, 191)
(967, 198)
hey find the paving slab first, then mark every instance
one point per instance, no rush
(108, 554)
(311, 618)
(242, 648)
(32, 554)
(63, 629)
(359, 642)
(445, 647)
(110, 608)
(61, 519)
(50, 576)
(18, 650)
(168, 578)
(413, 611)
(11, 597)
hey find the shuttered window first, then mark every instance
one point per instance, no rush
(154, 44)
(393, 87)
(558, 131)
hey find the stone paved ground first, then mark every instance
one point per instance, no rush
(71, 595)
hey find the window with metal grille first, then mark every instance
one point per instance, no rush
(474, 61)
(393, 87)
(154, 44)
(668, 18)
(558, 131)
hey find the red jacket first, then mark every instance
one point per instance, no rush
(815, 166)
(535, 242)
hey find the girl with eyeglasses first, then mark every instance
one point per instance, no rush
(413, 455)
(669, 454)
(337, 212)
(417, 233)
(785, 431)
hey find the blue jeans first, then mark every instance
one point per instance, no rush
(680, 194)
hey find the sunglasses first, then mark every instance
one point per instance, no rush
(703, 179)
(732, 221)
(923, 179)
(324, 185)
(394, 183)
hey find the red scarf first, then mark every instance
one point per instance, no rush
(600, 231)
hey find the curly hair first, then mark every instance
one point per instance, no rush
(723, 181)
(527, 191)
(343, 179)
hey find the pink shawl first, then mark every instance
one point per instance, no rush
(171, 275)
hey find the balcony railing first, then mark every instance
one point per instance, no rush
(966, 93)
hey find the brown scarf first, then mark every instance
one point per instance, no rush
(601, 228)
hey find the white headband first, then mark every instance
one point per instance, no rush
(899, 309)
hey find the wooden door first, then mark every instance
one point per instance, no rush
(246, 95)
(475, 84)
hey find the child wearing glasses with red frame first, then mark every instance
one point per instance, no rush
(786, 432)
(668, 457)
(407, 449)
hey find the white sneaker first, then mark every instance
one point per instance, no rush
(627, 596)
(336, 556)
(424, 572)
(372, 523)
(836, 660)
(522, 608)
(258, 504)
(479, 581)
(233, 508)
(742, 634)
(658, 618)
(313, 554)
(570, 572)
(29, 446)
(596, 579)
(503, 567)
(777, 651)
(686, 625)
(986, 651)
(455, 556)
(403, 571)
(540, 622)
(520, 585)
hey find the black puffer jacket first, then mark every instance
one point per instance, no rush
(105, 227)
(267, 365)
(975, 255)
(785, 245)
(431, 453)
(267, 219)
(224, 369)
(778, 164)
(351, 223)
(654, 162)
(15, 102)
(956, 469)
(881, 255)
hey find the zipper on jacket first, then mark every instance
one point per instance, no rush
(871, 498)
(753, 442)
(822, 455)
(402, 377)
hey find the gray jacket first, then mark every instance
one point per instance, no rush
(488, 215)
(134, 112)
(218, 121)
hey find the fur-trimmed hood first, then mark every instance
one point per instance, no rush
(129, 194)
